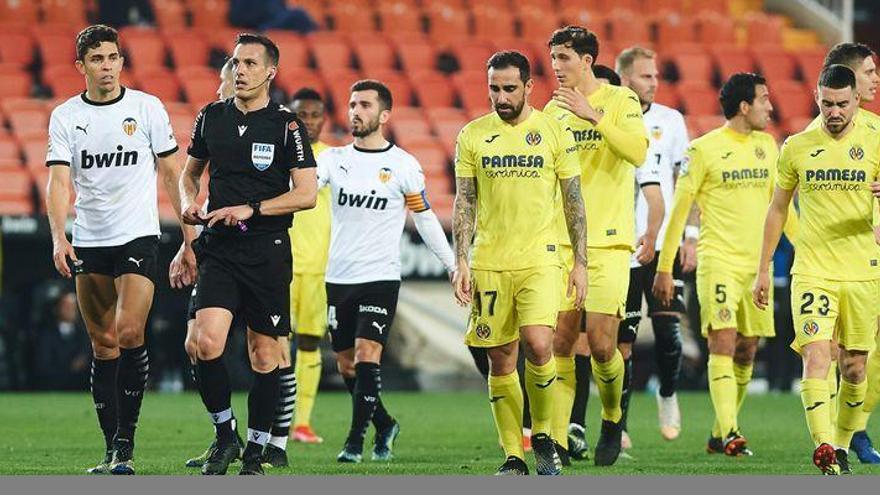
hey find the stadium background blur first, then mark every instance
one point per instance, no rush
(432, 55)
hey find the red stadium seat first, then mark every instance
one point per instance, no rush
(627, 29)
(15, 184)
(545, 5)
(537, 23)
(668, 7)
(209, 13)
(796, 124)
(410, 121)
(706, 123)
(14, 82)
(447, 123)
(187, 48)
(23, 121)
(693, 66)
(542, 91)
(764, 29)
(667, 94)
(773, 62)
(698, 98)
(518, 44)
(9, 152)
(400, 17)
(143, 47)
(416, 52)
(56, 49)
(731, 59)
(16, 48)
(374, 53)
(22, 12)
(608, 53)
(397, 82)
(717, 7)
(34, 152)
(792, 99)
(293, 49)
(294, 78)
(200, 89)
(472, 90)
(9, 163)
(64, 12)
(589, 18)
(432, 89)
(491, 23)
(713, 29)
(330, 49)
(672, 29)
(352, 18)
(472, 54)
(446, 23)
(339, 90)
(809, 64)
(161, 83)
(170, 14)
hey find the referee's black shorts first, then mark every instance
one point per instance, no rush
(250, 276)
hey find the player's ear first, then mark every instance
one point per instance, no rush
(529, 85)
(80, 67)
(384, 116)
(272, 72)
(744, 107)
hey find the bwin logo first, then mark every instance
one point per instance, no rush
(107, 160)
(371, 202)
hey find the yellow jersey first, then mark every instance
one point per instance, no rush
(607, 153)
(310, 233)
(731, 176)
(833, 178)
(517, 170)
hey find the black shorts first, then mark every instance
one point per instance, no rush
(138, 256)
(191, 307)
(249, 276)
(641, 283)
(364, 311)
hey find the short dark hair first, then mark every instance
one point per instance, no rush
(739, 88)
(837, 76)
(605, 72)
(307, 94)
(511, 58)
(371, 84)
(260, 39)
(92, 37)
(849, 54)
(580, 39)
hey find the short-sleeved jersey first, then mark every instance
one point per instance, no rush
(370, 191)
(607, 181)
(310, 234)
(111, 148)
(251, 156)
(732, 177)
(517, 169)
(667, 146)
(836, 240)
(866, 117)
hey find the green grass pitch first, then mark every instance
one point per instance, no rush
(442, 434)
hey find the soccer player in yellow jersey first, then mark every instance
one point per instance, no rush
(859, 58)
(310, 243)
(729, 172)
(511, 166)
(836, 274)
(606, 123)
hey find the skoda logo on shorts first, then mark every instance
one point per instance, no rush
(262, 155)
(811, 328)
(724, 314)
(483, 331)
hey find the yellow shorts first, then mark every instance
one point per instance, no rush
(822, 309)
(308, 304)
(607, 280)
(505, 301)
(725, 297)
(566, 259)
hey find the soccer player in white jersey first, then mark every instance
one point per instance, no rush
(668, 142)
(372, 184)
(109, 142)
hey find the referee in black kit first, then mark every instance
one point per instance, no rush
(255, 148)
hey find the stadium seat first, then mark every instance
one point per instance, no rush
(471, 54)
(693, 66)
(667, 94)
(432, 89)
(338, 84)
(400, 17)
(627, 30)
(14, 82)
(143, 47)
(706, 123)
(545, 5)
(223, 38)
(668, 7)
(353, 19)
(491, 22)
(160, 82)
(200, 89)
(170, 14)
(409, 120)
(542, 91)
(518, 44)
(416, 52)
(447, 123)
(472, 90)
(9, 105)
(294, 78)
(763, 29)
(716, 7)
(714, 29)
(294, 52)
(673, 29)
(330, 49)
(792, 99)
(9, 151)
(187, 48)
(56, 49)
(64, 12)
(209, 13)
(589, 18)
(698, 98)
(731, 59)
(9, 163)
(809, 64)
(374, 53)
(16, 48)
(608, 53)
(796, 124)
(23, 121)
(536, 22)
(15, 184)
(773, 62)
(446, 23)
(397, 82)
(23, 12)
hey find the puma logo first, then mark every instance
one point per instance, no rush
(85, 129)
(136, 262)
(379, 327)
(494, 136)
(545, 385)
(814, 406)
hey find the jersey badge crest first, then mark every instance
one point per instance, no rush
(811, 328)
(533, 138)
(759, 153)
(262, 155)
(856, 152)
(129, 126)
(483, 331)
(656, 133)
(384, 174)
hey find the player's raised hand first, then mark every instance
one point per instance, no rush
(761, 290)
(875, 189)
(578, 285)
(61, 251)
(688, 255)
(461, 284)
(576, 103)
(192, 214)
(663, 288)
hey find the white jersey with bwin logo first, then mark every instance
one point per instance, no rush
(111, 149)
(370, 191)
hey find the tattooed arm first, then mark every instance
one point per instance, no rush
(464, 217)
(576, 220)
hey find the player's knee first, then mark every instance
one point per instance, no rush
(852, 367)
(345, 366)
(563, 343)
(368, 352)
(816, 362)
(602, 348)
(625, 349)
(105, 347)
(208, 346)
(130, 335)
(265, 356)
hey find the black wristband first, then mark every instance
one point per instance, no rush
(256, 207)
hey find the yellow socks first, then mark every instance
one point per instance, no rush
(563, 397)
(832, 392)
(506, 400)
(722, 390)
(308, 374)
(743, 376)
(817, 408)
(541, 386)
(850, 401)
(609, 380)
